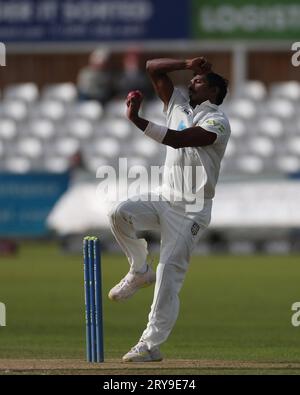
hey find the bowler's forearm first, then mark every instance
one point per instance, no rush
(192, 137)
(155, 132)
(166, 65)
(139, 122)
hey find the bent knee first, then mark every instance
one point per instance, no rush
(119, 212)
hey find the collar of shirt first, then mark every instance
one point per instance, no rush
(205, 106)
(202, 109)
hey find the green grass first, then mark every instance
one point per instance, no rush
(232, 308)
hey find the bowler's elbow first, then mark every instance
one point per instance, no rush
(151, 66)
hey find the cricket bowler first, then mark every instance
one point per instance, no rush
(196, 136)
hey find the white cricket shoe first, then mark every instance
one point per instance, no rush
(141, 353)
(131, 283)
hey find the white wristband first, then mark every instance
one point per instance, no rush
(156, 132)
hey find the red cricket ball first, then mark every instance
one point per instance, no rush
(135, 94)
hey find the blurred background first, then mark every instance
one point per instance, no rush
(69, 67)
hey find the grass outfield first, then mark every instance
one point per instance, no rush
(233, 309)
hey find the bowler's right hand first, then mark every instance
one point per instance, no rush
(199, 65)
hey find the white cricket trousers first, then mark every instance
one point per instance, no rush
(179, 235)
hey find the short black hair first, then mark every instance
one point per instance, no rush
(216, 80)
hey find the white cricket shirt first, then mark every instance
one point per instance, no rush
(191, 173)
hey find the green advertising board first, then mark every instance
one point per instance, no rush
(246, 19)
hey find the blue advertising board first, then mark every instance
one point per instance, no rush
(92, 20)
(26, 201)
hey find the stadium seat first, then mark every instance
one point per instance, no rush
(250, 164)
(238, 127)
(8, 129)
(100, 129)
(67, 146)
(17, 165)
(270, 126)
(116, 108)
(107, 147)
(253, 90)
(242, 108)
(94, 162)
(288, 164)
(118, 127)
(53, 110)
(261, 146)
(282, 108)
(289, 90)
(30, 147)
(42, 128)
(14, 109)
(56, 164)
(27, 92)
(65, 92)
(91, 110)
(80, 128)
(293, 145)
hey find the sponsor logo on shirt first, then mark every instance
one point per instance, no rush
(181, 126)
(186, 111)
(195, 229)
(218, 125)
